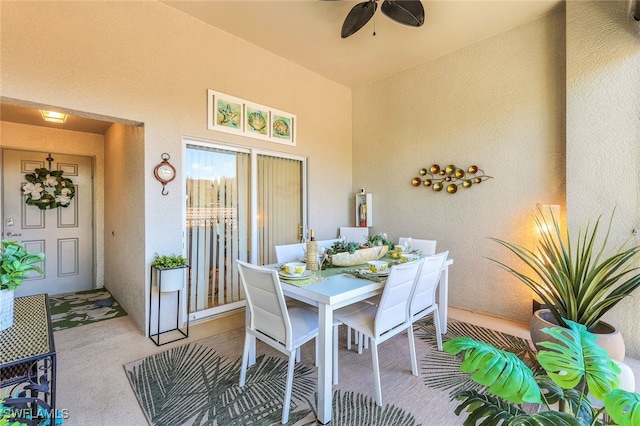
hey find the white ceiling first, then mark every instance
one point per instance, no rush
(307, 32)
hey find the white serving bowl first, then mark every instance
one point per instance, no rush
(295, 268)
(378, 266)
(408, 257)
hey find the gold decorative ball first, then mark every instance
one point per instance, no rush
(473, 169)
(467, 183)
(427, 182)
(450, 169)
(437, 186)
(477, 180)
(459, 173)
(423, 172)
(435, 169)
(452, 188)
(416, 181)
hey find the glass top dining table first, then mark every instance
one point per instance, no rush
(335, 290)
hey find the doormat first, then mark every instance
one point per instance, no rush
(70, 310)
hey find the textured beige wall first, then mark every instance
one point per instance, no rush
(498, 104)
(145, 62)
(603, 130)
(124, 219)
(34, 138)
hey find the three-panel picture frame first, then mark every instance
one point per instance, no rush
(229, 114)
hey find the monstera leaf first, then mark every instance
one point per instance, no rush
(575, 357)
(623, 407)
(503, 373)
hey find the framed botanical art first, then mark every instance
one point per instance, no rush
(283, 127)
(256, 121)
(225, 112)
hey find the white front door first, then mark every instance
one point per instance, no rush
(64, 234)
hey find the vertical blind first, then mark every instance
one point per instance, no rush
(279, 204)
(217, 224)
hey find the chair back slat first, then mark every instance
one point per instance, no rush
(425, 292)
(426, 247)
(393, 309)
(290, 252)
(266, 302)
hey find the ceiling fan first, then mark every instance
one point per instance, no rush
(407, 12)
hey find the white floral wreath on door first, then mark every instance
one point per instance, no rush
(42, 179)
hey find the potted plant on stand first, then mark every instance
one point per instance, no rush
(577, 280)
(171, 266)
(15, 264)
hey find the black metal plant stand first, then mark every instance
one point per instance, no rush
(156, 337)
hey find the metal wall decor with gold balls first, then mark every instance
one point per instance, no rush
(449, 177)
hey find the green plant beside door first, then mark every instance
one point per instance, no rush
(574, 367)
(15, 264)
(169, 271)
(169, 261)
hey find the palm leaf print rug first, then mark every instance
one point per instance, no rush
(83, 307)
(197, 383)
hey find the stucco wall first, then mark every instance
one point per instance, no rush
(603, 131)
(35, 138)
(146, 62)
(498, 104)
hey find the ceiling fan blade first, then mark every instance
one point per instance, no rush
(407, 12)
(358, 17)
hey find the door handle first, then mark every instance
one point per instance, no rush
(13, 234)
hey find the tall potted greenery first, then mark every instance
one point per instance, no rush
(578, 280)
(575, 371)
(15, 264)
(171, 267)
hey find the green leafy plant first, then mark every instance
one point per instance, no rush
(16, 263)
(574, 366)
(379, 240)
(169, 261)
(577, 281)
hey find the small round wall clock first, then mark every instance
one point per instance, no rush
(164, 172)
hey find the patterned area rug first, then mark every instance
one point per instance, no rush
(197, 383)
(84, 307)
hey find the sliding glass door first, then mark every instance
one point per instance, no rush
(239, 204)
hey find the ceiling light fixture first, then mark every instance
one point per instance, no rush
(53, 117)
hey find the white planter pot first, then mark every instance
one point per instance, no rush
(607, 335)
(6, 309)
(172, 279)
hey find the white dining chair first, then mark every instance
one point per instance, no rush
(271, 322)
(290, 252)
(423, 300)
(426, 247)
(356, 234)
(327, 244)
(390, 317)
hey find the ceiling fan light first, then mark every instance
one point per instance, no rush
(358, 17)
(53, 116)
(407, 12)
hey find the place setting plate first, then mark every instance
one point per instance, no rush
(306, 274)
(366, 271)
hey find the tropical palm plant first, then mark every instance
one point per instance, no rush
(575, 367)
(576, 281)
